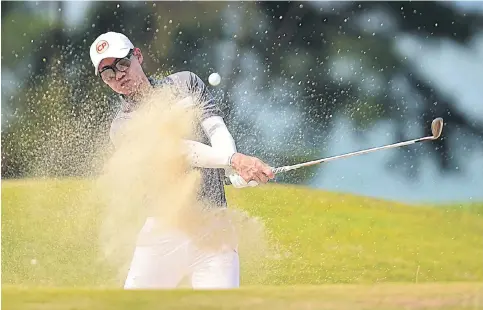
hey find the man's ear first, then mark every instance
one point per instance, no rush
(137, 53)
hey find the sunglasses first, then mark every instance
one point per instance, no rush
(121, 64)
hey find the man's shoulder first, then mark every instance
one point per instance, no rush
(182, 74)
(117, 123)
(182, 77)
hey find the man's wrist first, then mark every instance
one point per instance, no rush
(230, 160)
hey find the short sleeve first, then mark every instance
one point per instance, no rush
(191, 85)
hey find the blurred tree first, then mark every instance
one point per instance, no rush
(323, 37)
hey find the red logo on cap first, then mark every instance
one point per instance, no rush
(102, 46)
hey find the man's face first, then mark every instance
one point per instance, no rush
(124, 82)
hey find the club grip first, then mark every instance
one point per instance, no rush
(275, 171)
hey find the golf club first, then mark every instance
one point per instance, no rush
(436, 130)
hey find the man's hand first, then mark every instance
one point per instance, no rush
(251, 168)
(237, 181)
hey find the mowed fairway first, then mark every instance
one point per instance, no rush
(333, 251)
(346, 296)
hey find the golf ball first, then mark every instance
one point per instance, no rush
(214, 79)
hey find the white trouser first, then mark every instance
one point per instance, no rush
(169, 258)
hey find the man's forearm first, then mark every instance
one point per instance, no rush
(204, 156)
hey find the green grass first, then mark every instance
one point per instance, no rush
(351, 297)
(334, 251)
(322, 237)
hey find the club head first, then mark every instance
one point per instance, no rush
(437, 127)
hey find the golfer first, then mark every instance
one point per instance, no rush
(169, 258)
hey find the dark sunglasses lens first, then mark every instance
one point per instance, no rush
(108, 74)
(123, 64)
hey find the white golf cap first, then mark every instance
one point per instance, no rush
(109, 44)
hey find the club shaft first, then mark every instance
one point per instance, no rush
(327, 159)
(318, 161)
